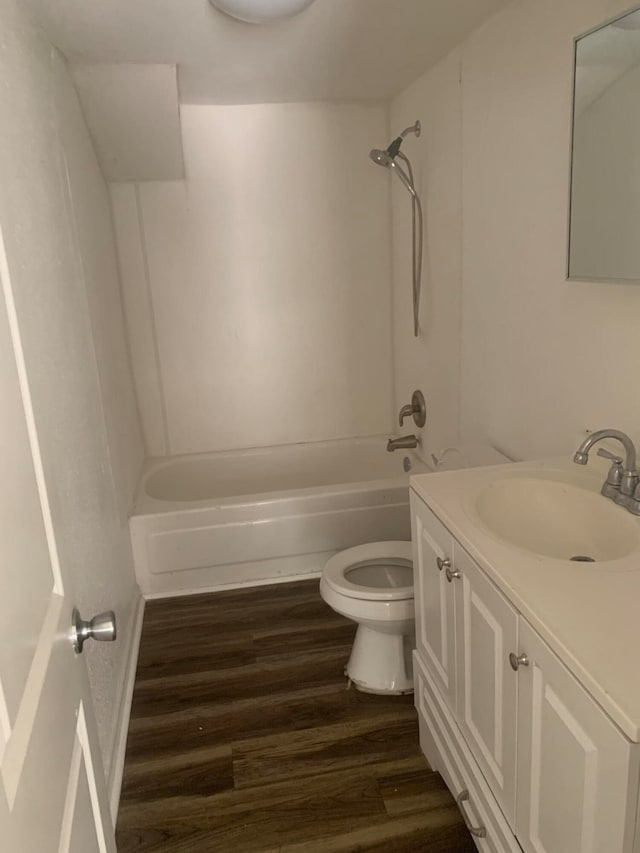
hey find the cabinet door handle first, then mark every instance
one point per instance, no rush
(453, 574)
(478, 831)
(517, 661)
(443, 564)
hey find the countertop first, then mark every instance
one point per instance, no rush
(588, 613)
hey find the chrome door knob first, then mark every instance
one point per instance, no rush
(453, 574)
(102, 627)
(517, 661)
(443, 564)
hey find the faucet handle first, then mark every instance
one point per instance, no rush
(416, 408)
(617, 460)
(611, 486)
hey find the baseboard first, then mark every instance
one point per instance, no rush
(114, 783)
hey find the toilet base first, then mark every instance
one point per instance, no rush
(381, 662)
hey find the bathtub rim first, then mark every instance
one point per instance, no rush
(154, 506)
(144, 504)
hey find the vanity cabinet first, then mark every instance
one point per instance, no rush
(577, 783)
(435, 622)
(486, 686)
(533, 761)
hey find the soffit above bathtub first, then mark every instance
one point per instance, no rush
(335, 50)
(133, 117)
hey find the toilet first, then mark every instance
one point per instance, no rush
(373, 585)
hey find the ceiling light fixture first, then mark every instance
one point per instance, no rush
(260, 11)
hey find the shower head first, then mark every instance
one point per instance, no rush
(381, 158)
(386, 157)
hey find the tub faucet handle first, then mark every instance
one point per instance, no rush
(416, 408)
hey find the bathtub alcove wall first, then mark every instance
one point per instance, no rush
(257, 291)
(257, 294)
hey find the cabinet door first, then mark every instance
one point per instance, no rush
(577, 773)
(487, 687)
(435, 626)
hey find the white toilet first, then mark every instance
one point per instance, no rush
(373, 585)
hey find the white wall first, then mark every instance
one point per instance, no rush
(258, 292)
(430, 362)
(542, 358)
(54, 214)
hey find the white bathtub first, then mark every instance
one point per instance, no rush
(216, 520)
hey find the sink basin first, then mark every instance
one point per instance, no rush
(556, 519)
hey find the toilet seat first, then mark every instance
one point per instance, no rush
(378, 566)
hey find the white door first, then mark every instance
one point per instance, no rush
(52, 790)
(577, 774)
(487, 687)
(435, 621)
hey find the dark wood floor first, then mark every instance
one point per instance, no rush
(244, 737)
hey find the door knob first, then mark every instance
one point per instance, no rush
(102, 627)
(517, 661)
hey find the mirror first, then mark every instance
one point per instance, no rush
(604, 227)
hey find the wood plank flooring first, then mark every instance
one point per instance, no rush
(245, 738)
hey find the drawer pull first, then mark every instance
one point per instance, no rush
(443, 564)
(477, 831)
(517, 661)
(453, 574)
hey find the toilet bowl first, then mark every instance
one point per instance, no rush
(373, 586)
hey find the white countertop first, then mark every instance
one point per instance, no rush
(588, 613)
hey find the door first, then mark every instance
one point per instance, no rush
(52, 790)
(486, 632)
(577, 774)
(434, 599)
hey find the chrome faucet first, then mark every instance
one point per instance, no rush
(404, 442)
(622, 483)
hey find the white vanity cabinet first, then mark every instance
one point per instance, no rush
(533, 760)
(486, 685)
(577, 784)
(435, 622)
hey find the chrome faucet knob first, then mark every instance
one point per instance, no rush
(617, 460)
(611, 486)
(417, 409)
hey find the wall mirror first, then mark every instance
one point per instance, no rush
(604, 227)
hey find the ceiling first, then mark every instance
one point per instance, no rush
(335, 50)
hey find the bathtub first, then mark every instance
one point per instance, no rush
(218, 520)
(221, 520)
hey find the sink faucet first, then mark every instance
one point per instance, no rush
(622, 484)
(404, 442)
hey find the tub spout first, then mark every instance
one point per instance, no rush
(404, 442)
